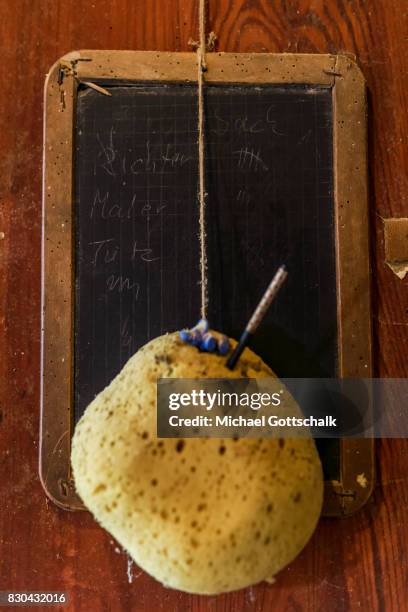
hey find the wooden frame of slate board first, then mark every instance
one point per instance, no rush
(337, 75)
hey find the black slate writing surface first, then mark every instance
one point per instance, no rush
(269, 172)
(270, 175)
(270, 183)
(137, 265)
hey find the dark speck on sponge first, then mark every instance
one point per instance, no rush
(180, 445)
(162, 359)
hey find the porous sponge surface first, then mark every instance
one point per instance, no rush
(200, 515)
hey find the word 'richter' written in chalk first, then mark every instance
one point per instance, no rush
(154, 159)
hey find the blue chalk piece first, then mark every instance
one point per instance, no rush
(202, 326)
(209, 343)
(223, 345)
(185, 335)
(196, 337)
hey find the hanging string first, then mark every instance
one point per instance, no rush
(202, 67)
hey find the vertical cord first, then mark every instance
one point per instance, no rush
(202, 67)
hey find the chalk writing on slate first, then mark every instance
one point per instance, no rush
(136, 221)
(269, 172)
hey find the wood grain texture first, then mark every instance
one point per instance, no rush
(359, 563)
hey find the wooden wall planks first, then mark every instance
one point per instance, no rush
(359, 562)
